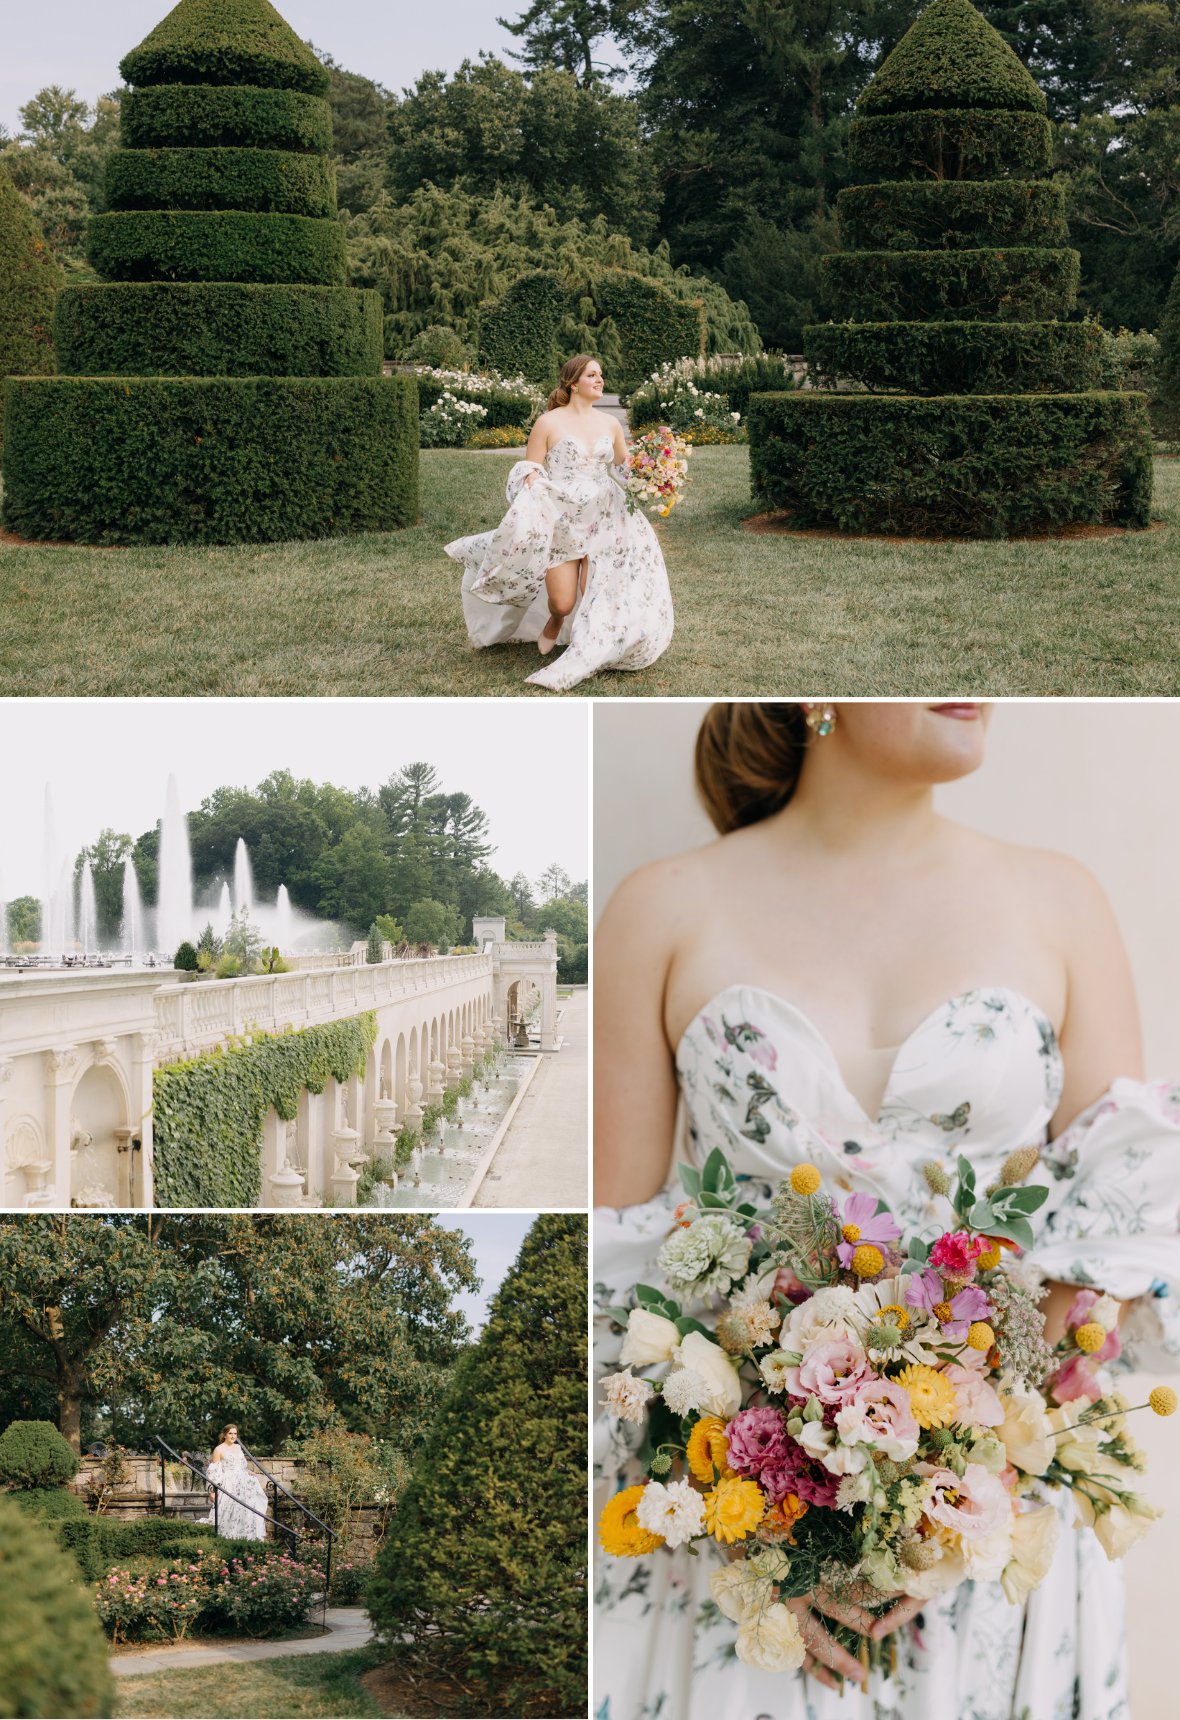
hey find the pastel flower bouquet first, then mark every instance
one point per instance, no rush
(659, 470)
(852, 1412)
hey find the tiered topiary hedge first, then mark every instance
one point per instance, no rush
(976, 408)
(29, 283)
(222, 384)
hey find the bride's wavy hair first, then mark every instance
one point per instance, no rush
(568, 379)
(748, 759)
(229, 1426)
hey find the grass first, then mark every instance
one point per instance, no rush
(755, 614)
(293, 1685)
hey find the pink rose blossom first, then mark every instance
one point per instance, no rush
(831, 1371)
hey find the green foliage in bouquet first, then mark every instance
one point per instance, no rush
(33, 1454)
(250, 404)
(959, 239)
(53, 1659)
(208, 1113)
(482, 1569)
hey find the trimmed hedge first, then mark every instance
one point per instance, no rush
(149, 328)
(950, 145)
(100, 1542)
(195, 117)
(53, 1656)
(951, 57)
(970, 465)
(653, 326)
(33, 1454)
(208, 1113)
(272, 181)
(224, 245)
(209, 460)
(518, 335)
(225, 42)
(952, 215)
(29, 282)
(959, 357)
(50, 1504)
(1024, 284)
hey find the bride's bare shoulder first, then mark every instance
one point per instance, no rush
(1060, 887)
(658, 898)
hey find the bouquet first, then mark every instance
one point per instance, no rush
(659, 470)
(854, 1411)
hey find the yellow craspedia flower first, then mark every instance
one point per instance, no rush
(734, 1508)
(1090, 1337)
(932, 1396)
(980, 1336)
(990, 1258)
(867, 1260)
(619, 1529)
(805, 1179)
(1162, 1400)
(708, 1448)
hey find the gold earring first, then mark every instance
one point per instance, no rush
(821, 719)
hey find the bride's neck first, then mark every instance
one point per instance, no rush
(846, 808)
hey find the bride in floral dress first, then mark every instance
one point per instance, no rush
(240, 1509)
(847, 978)
(568, 565)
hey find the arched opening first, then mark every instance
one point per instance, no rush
(100, 1141)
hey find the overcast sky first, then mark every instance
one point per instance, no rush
(79, 43)
(495, 1242)
(108, 761)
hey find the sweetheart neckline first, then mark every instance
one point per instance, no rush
(828, 1049)
(588, 453)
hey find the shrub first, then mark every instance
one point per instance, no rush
(29, 280)
(736, 376)
(210, 460)
(375, 947)
(959, 357)
(950, 144)
(225, 42)
(715, 435)
(271, 181)
(350, 1578)
(518, 336)
(264, 1593)
(653, 326)
(51, 1504)
(208, 1113)
(160, 1602)
(156, 328)
(185, 958)
(53, 1659)
(682, 406)
(195, 117)
(448, 423)
(230, 966)
(438, 346)
(506, 400)
(34, 1454)
(1169, 362)
(506, 1606)
(902, 216)
(1025, 284)
(220, 245)
(971, 465)
(502, 436)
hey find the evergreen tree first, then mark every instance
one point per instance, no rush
(484, 1564)
(577, 35)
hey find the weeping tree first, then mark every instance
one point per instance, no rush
(481, 1579)
(969, 403)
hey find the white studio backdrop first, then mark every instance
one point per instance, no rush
(1093, 779)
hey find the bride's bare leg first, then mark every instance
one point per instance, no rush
(561, 588)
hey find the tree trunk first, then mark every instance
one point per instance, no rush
(69, 1408)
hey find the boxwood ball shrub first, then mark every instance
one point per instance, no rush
(251, 404)
(53, 1656)
(34, 1454)
(969, 402)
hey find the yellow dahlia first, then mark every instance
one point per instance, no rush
(805, 1179)
(734, 1508)
(620, 1530)
(932, 1396)
(1162, 1400)
(708, 1449)
(867, 1261)
(1090, 1337)
(980, 1336)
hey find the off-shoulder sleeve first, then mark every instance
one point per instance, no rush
(1113, 1215)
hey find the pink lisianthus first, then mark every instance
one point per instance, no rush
(757, 1440)
(830, 1370)
(979, 1502)
(976, 1404)
(1075, 1380)
(863, 1223)
(926, 1291)
(955, 1253)
(878, 1413)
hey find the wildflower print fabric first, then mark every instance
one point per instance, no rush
(980, 1076)
(576, 508)
(240, 1491)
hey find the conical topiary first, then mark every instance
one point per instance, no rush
(974, 408)
(29, 282)
(481, 1578)
(53, 1656)
(222, 383)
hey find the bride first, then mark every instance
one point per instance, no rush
(846, 977)
(240, 1507)
(568, 565)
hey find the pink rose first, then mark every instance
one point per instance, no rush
(976, 1404)
(975, 1504)
(830, 1371)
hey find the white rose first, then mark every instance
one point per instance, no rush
(649, 1338)
(827, 1314)
(738, 1592)
(1025, 1430)
(771, 1642)
(1034, 1542)
(713, 1366)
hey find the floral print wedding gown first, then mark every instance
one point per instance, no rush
(576, 508)
(239, 1490)
(980, 1076)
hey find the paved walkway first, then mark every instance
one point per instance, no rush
(348, 1627)
(542, 1160)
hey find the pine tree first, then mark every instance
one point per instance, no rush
(484, 1564)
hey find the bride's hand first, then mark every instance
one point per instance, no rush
(826, 1661)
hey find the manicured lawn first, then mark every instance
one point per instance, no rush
(294, 1686)
(755, 614)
